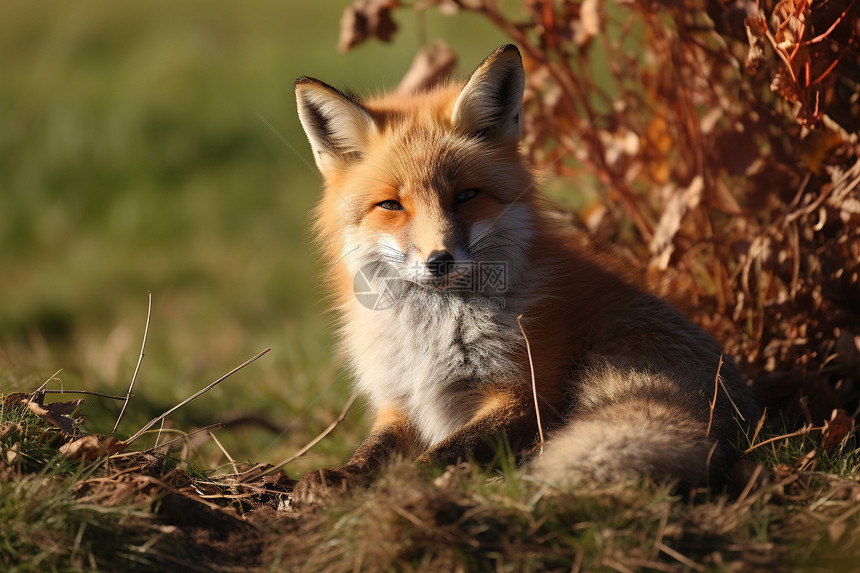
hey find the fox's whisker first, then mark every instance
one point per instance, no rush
(494, 242)
(392, 253)
(490, 236)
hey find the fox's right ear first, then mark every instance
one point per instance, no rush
(492, 100)
(337, 126)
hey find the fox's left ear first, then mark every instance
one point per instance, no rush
(492, 100)
(337, 126)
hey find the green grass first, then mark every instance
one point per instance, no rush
(842, 461)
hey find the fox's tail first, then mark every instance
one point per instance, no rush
(628, 440)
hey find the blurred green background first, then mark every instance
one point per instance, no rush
(154, 146)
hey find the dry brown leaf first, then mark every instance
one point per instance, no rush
(783, 85)
(12, 453)
(364, 19)
(755, 29)
(431, 65)
(679, 204)
(837, 429)
(92, 447)
(789, 22)
(57, 413)
(590, 22)
(592, 216)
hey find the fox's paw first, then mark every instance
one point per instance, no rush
(322, 484)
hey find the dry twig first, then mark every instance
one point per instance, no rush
(714, 401)
(136, 368)
(224, 450)
(85, 393)
(316, 440)
(534, 382)
(192, 397)
(805, 430)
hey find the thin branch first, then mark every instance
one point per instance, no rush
(180, 438)
(137, 368)
(714, 401)
(574, 93)
(805, 430)
(534, 382)
(158, 435)
(780, 52)
(86, 392)
(45, 383)
(825, 72)
(832, 27)
(155, 420)
(731, 400)
(316, 440)
(224, 450)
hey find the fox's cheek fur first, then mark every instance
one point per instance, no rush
(364, 246)
(502, 237)
(390, 248)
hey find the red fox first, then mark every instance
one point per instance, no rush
(438, 241)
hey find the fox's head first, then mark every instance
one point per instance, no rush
(433, 183)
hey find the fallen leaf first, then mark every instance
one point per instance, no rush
(12, 453)
(837, 429)
(57, 413)
(92, 447)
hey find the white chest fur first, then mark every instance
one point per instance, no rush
(429, 353)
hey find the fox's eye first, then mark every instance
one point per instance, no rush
(466, 195)
(390, 205)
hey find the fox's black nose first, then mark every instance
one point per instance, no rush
(440, 263)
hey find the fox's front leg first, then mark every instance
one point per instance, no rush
(391, 434)
(505, 411)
